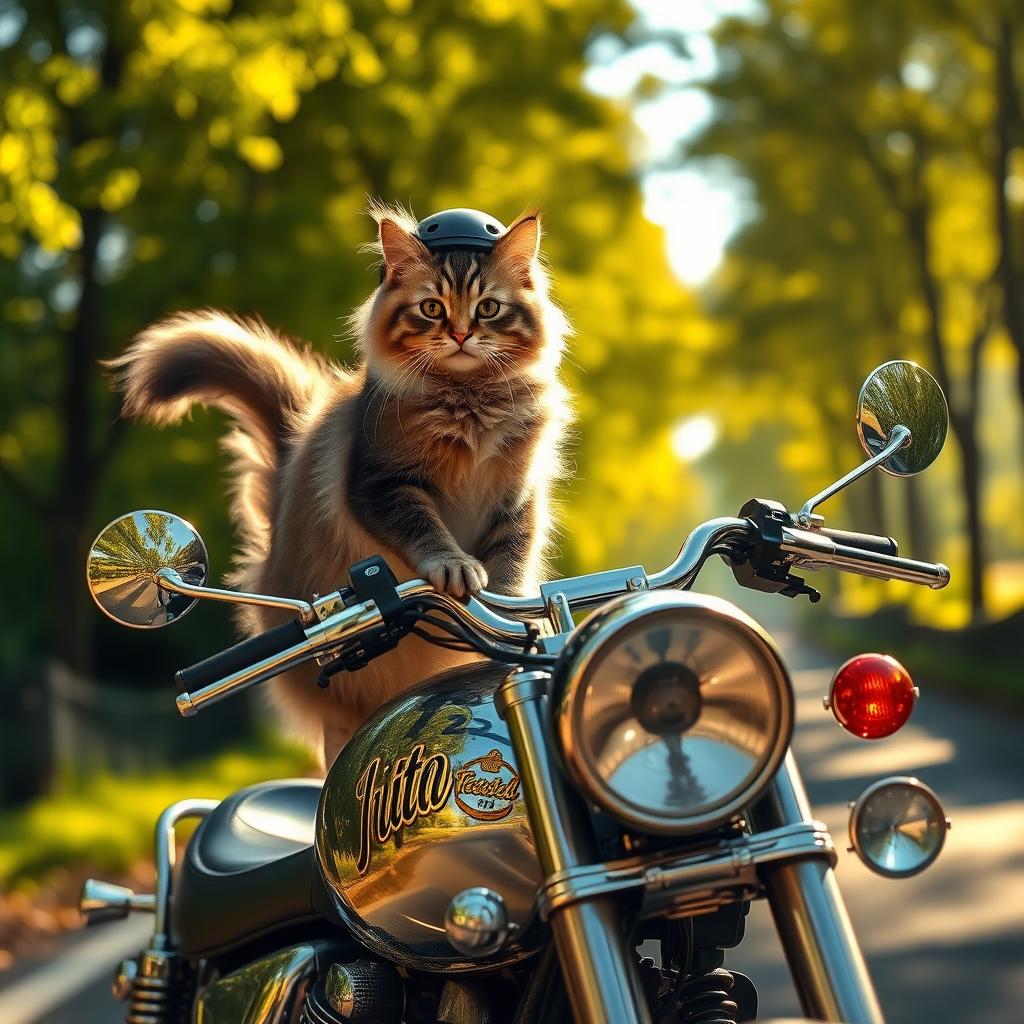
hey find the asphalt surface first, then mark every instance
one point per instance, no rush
(947, 946)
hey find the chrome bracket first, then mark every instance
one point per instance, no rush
(329, 605)
(593, 589)
(560, 613)
(900, 436)
(165, 857)
(169, 579)
(682, 885)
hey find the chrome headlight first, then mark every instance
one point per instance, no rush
(673, 710)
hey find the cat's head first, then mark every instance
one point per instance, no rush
(459, 314)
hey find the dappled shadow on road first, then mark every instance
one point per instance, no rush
(970, 756)
(946, 945)
(965, 981)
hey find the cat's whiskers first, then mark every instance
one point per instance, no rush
(493, 361)
(521, 377)
(417, 363)
(423, 385)
(375, 387)
(392, 382)
(564, 355)
(414, 363)
(380, 384)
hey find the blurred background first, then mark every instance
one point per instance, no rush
(748, 205)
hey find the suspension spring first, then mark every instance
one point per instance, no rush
(156, 996)
(706, 998)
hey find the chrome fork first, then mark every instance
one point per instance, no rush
(821, 948)
(597, 963)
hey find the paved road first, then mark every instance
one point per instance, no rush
(947, 946)
(73, 987)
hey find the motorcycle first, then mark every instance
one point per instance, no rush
(576, 823)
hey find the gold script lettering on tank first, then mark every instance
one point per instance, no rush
(391, 798)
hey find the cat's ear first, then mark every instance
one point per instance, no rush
(402, 250)
(520, 246)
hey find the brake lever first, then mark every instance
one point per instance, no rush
(763, 565)
(798, 588)
(371, 580)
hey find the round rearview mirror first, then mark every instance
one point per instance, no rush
(125, 558)
(902, 393)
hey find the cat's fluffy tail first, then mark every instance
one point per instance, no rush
(239, 366)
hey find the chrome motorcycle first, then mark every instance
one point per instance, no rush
(575, 823)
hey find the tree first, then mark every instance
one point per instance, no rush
(168, 154)
(850, 121)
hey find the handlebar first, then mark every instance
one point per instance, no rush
(501, 619)
(814, 548)
(863, 541)
(584, 592)
(241, 656)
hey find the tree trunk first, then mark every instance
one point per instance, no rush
(975, 536)
(963, 417)
(76, 480)
(918, 539)
(874, 501)
(1006, 269)
(82, 453)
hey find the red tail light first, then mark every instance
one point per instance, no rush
(872, 696)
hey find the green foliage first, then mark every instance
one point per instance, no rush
(881, 145)
(108, 822)
(166, 154)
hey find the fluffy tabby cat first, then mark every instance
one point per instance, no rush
(437, 449)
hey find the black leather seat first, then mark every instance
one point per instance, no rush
(249, 868)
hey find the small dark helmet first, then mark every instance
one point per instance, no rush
(460, 229)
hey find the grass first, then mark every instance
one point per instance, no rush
(107, 821)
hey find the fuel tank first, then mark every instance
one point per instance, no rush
(425, 801)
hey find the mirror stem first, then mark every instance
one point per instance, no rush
(900, 437)
(168, 579)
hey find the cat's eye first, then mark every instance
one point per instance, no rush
(488, 308)
(432, 309)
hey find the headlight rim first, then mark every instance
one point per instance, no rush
(581, 649)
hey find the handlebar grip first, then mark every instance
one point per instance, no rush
(863, 541)
(242, 655)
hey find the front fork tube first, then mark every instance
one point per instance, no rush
(822, 951)
(597, 962)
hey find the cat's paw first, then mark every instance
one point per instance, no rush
(458, 575)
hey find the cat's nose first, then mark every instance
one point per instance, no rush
(459, 337)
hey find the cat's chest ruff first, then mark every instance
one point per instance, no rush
(474, 456)
(473, 433)
(471, 420)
